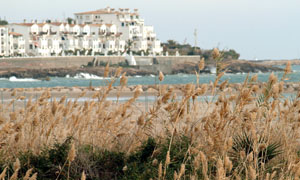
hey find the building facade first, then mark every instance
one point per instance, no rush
(4, 41)
(104, 31)
(128, 23)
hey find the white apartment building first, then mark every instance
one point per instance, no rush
(11, 43)
(128, 23)
(104, 31)
(16, 44)
(4, 41)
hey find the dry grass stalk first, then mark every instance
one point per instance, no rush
(211, 125)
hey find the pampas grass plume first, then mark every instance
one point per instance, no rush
(27, 175)
(3, 174)
(123, 80)
(161, 76)
(201, 64)
(72, 153)
(83, 176)
(216, 53)
(33, 177)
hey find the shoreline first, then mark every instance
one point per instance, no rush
(288, 87)
(233, 66)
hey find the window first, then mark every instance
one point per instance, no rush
(30, 46)
(103, 46)
(123, 24)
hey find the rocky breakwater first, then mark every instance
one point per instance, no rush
(63, 72)
(234, 66)
(279, 62)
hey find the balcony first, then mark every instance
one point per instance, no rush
(42, 33)
(110, 34)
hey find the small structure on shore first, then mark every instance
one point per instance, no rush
(131, 60)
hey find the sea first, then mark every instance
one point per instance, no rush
(85, 80)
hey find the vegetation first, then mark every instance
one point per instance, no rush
(172, 46)
(3, 22)
(236, 135)
(70, 20)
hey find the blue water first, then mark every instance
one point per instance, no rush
(145, 80)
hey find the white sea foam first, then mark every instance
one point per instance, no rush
(87, 76)
(14, 79)
(137, 76)
(151, 75)
(67, 76)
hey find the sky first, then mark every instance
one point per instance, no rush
(257, 29)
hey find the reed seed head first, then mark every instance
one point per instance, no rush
(161, 76)
(216, 53)
(201, 64)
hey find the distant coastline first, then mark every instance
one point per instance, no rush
(62, 66)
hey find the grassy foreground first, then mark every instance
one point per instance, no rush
(252, 133)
